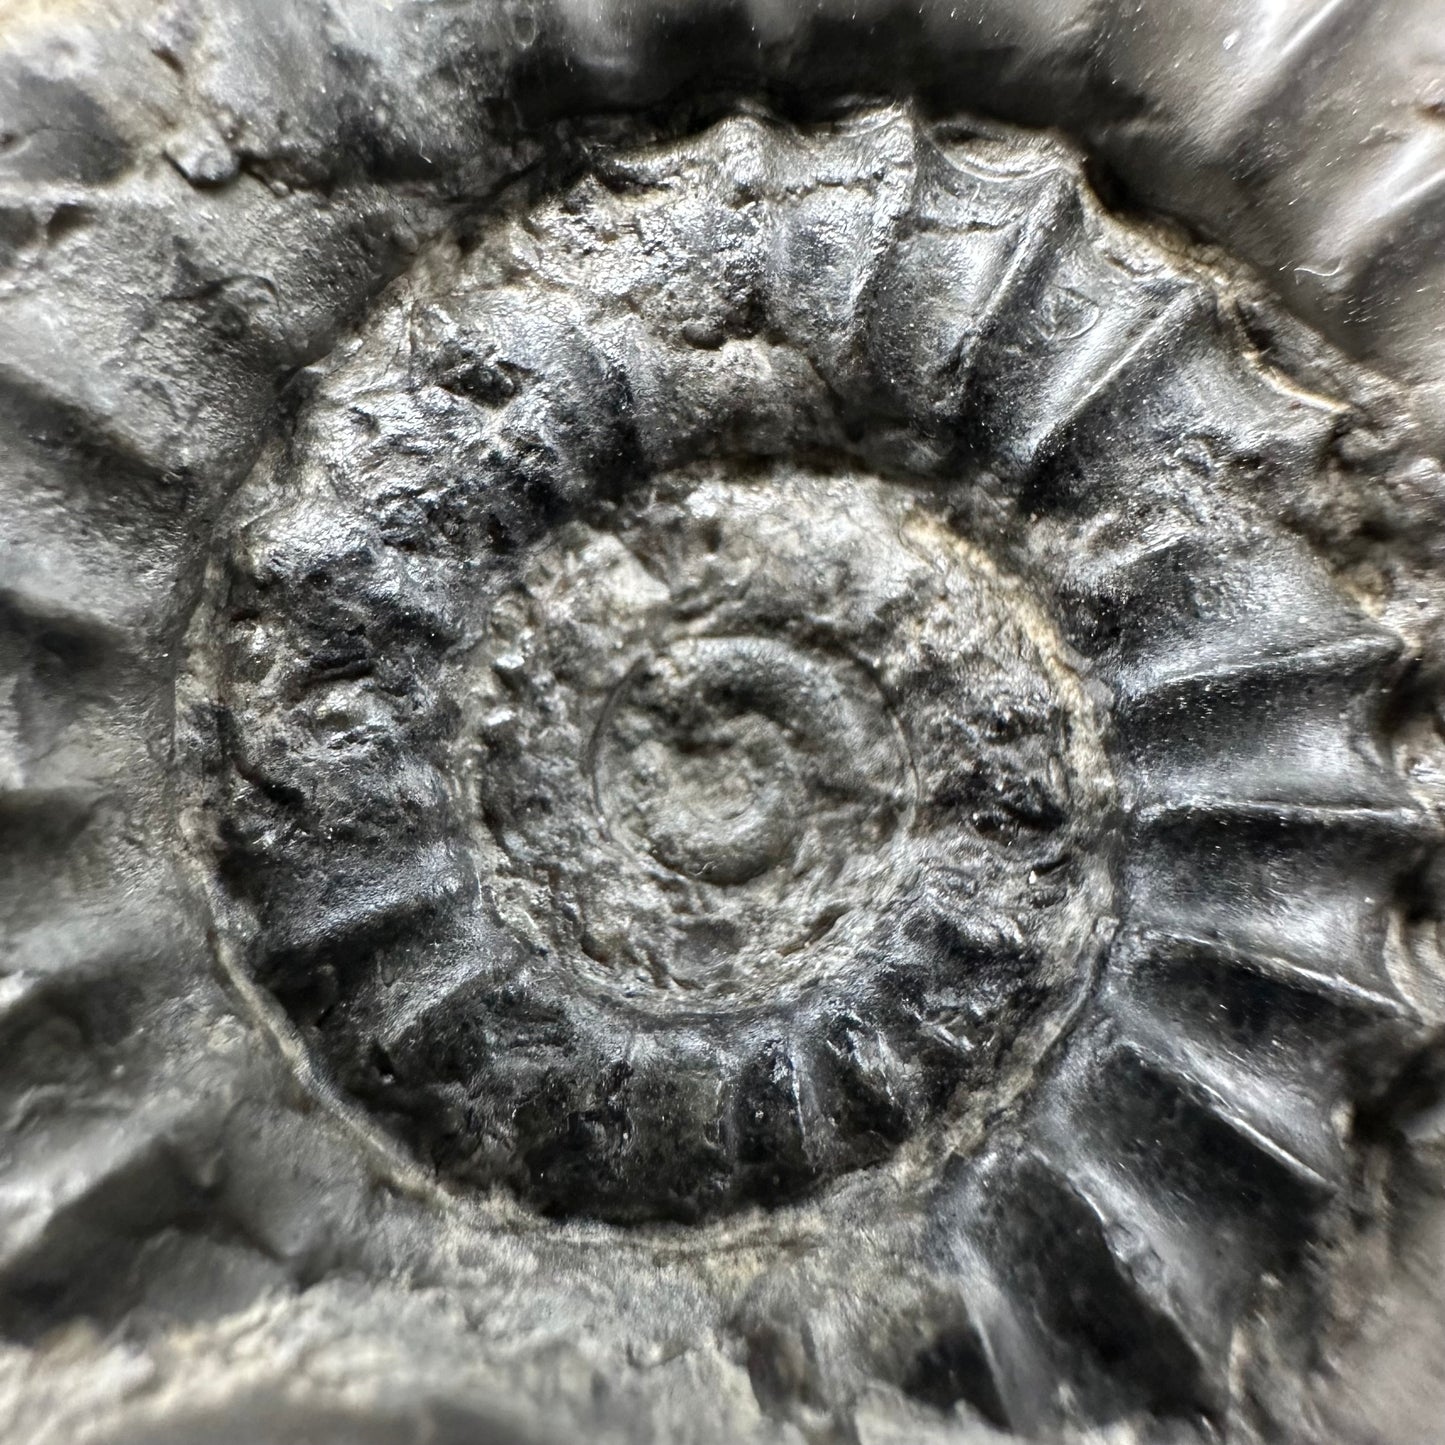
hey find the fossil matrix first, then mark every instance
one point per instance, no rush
(783, 772)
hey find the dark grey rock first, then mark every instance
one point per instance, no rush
(696, 743)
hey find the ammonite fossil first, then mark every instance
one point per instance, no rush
(798, 770)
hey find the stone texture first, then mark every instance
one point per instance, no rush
(435, 438)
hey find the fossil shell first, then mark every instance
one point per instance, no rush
(764, 755)
(658, 842)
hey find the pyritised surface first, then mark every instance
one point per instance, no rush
(775, 661)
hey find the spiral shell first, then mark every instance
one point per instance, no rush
(777, 808)
(638, 802)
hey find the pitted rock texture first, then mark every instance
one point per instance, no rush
(785, 806)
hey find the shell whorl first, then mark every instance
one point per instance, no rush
(1131, 1033)
(942, 308)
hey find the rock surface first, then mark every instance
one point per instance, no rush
(699, 740)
